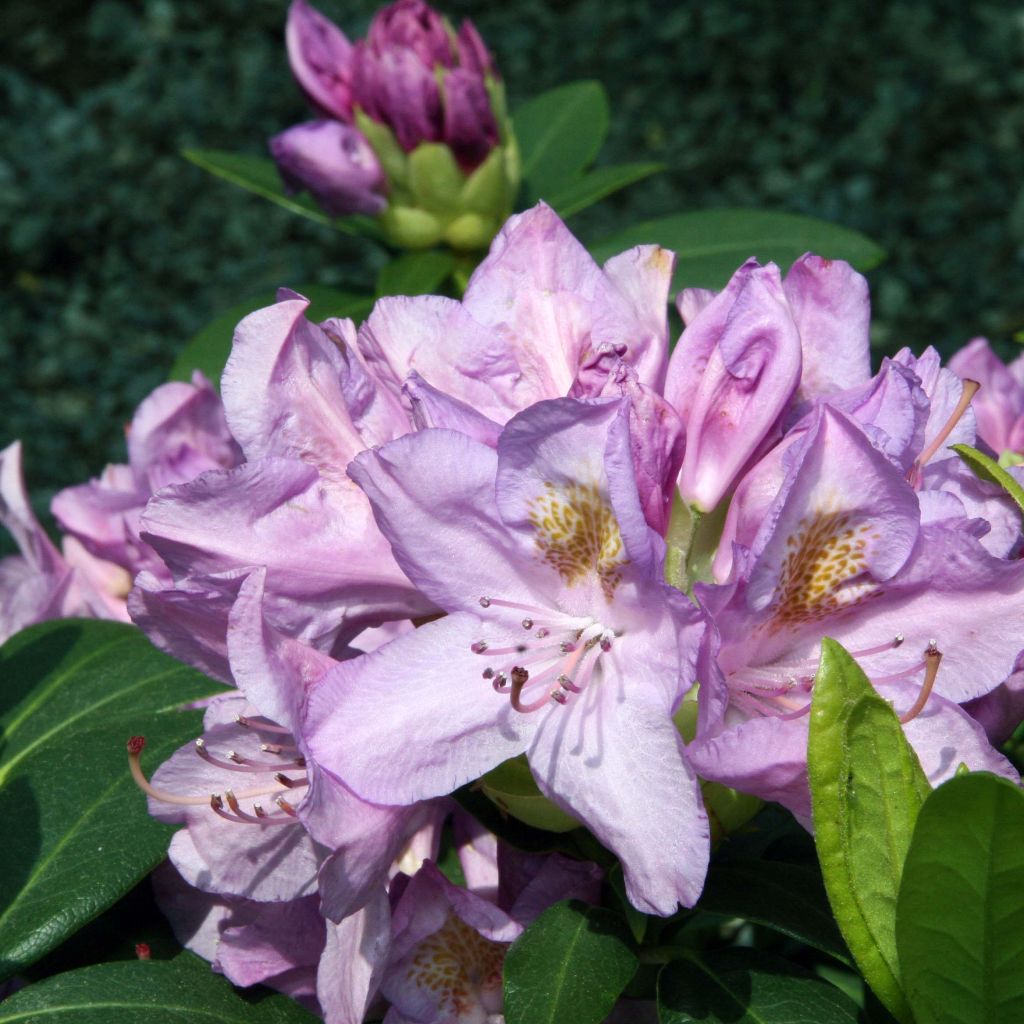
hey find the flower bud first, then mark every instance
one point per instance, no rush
(333, 161)
(429, 103)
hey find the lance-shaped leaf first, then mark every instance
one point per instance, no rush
(960, 920)
(77, 835)
(710, 244)
(747, 986)
(559, 133)
(866, 789)
(986, 468)
(179, 991)
(569, 966)
(597, 184)
(259, 174)
(788, 898)
(415, 273)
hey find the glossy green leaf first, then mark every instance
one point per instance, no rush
(960, 922)
(258, 174)
(179, 991)
(710, 244)
(746, 986)
(598, 184)
(986, 468)
(77, 835)
(866, 789)
(208, 351)
(560, 132)
(415, 273)
(789, 898)
(568, 967)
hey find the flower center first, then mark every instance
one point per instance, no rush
(283, 755)
(555, 658)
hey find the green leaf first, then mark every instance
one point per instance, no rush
(866, 789)
(560, 132)
(77, 833)
(960, 922)
(415, 273)
(180, 991)
(746, 986)
(259, 174)
(208, 351)
(711, 244)
(986, 468)
(789, 898)
(569, 966)
(593, 187)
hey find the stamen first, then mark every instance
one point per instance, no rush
(500, 683)
(527, 624)
(261, 726)
(237, 763)
(285, 806)
(970, 389)
(933, 658)
(496, 602)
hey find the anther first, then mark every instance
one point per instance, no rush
(527, 623)
(560, 696)
(485, 602)
(478, 646)
(285, 806)
(500, 683)
(286, 781)
(606, 644)
(488, 673)
(541, 633)
(567, 647)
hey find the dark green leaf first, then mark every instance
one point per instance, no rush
(636, 919)
(986, 468)
(180, 991)
(789, 898)
(711, 244)
(559, 133)
(259, 174)
(593, 187)
(960, 923)
(569, 966)
(415, 273)
(866, 789)
(745, 986)
(208, 351)
(78, 836)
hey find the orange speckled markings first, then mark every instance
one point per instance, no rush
(461, 967)
(577, 534)
(824, 555)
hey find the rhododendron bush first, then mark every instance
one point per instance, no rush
(563, 633)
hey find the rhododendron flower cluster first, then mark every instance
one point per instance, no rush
(448, 539)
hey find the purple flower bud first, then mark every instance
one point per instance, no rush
(320, 56)
(473, 54)
(395, 87)
(469, 125)
(334, 162)
(414, 26)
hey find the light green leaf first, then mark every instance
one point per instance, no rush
(208, 351)
(259, 174)
(560, 132)
(77, 835)
(711, 244)
(960, 921)
(747, 986)
(415, 273)
(988, 469)
(593, 187)
(179, 991)
(866, 789)
(789, 898)
(568, 967)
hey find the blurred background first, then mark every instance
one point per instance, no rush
(904, 120)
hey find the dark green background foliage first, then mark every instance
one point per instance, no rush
(904, 120)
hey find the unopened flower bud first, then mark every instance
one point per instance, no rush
(335, 163)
